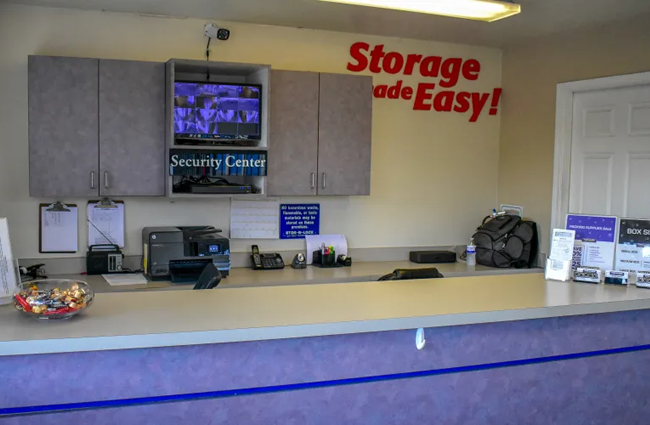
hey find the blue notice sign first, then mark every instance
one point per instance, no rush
(299, 220)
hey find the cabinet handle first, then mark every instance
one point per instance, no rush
(313, 181)
(92, 179)
(105, 179)
(324, 180)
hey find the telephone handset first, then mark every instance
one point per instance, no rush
(257, 260)
(266, 261)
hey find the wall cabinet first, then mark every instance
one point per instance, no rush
(321, 134)
(63, 127)
(344, 134)
(96, 127)
(131, 128)
(293, 131)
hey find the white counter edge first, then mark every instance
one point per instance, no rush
(70, 345)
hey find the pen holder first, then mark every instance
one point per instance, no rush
(316, 257)
(328, 260)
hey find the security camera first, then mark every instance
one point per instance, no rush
(213, 31)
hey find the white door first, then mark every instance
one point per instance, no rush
(610, 152)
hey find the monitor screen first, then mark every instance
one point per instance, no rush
(217, 111)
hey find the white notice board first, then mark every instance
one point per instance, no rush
(255, 219)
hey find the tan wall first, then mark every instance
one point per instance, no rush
(531, 72)
(422, 192)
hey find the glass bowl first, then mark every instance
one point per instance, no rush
(52, 299)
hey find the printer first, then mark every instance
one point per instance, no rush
(181, 253)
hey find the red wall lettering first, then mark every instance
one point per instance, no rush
(426, 97)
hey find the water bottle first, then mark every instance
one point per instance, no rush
(471, 253)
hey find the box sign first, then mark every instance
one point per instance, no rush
(633, 249)
(428, 95)
(299, 220)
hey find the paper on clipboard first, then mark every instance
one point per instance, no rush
(59, 229)
(558, 265)
(8, 275)
(106, 223)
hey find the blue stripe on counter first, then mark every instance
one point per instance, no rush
(175, 398)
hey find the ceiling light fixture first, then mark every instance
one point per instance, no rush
(480, 10)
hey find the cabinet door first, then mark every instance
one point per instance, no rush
(63, 135)
(345, 134)
(293, 129)
(131, 128)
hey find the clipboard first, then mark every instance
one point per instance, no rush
(105, 220)
(58, 228)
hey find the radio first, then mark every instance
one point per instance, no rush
(103, 259)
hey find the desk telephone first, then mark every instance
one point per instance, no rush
(266, 261)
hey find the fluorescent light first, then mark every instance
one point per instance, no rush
(480, 10)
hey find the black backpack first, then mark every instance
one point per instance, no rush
(506, 241)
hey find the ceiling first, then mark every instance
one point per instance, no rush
(538, 17)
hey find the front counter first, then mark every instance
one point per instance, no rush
(358, 272)
(498, 349)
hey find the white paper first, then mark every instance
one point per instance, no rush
(558, 266)
(59, 230)
(557, 270)
(629, 258)
(255, 219)
(313, 243)
(562, 245)
(122, 279)
(8, 279)
(110, 221)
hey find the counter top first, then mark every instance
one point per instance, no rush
(358, 272)
(222, 315)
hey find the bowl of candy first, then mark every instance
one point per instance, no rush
(53, 298)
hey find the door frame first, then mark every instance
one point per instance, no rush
(564, 134)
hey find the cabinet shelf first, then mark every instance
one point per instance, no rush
(253, 196)
(220, 148)
(218, 72)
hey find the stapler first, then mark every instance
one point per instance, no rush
(32, 272)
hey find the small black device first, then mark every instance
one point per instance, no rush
(266, 261)
(231, 189)
(213, 31)
(344, 260)
(299, 261)
(432, 257)
(103, 259)
(223, 34)
(210, 277)
(410, 274)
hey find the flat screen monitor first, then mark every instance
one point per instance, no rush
(217, 111)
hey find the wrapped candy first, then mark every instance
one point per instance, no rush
(49, 299)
